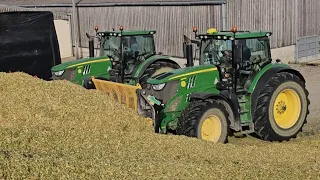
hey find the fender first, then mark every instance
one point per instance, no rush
(224, 95)
(264, 76)
(143, 66)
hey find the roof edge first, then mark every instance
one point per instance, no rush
(165, 3)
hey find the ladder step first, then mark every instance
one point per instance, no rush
(247, 128)
(244, 111)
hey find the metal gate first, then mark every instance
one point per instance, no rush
(307, 49)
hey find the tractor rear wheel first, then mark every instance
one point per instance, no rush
(204, 119)
(282, 108)
(156, 68)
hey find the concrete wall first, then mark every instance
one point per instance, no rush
(285, 54)
(64, 37)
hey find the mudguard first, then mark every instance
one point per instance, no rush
(225, 96)
(143, 66)
(262, 79)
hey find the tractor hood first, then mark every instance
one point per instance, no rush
(181, 73)
(79, 62)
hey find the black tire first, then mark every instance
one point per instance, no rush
(192, 118)
(88, 84)
(155, 69)
(266, 126)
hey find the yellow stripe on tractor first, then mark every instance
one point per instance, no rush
(123, 93)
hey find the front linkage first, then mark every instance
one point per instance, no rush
(149, 106)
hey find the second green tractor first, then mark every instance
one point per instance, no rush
(126, 56)
(235, 89)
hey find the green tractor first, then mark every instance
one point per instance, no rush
(239, 90)
(127, 57)
(236, 89)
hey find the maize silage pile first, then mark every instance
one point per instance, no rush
(60, 130)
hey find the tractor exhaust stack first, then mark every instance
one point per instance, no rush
(91, 45)
(188, 51)
(189, 55)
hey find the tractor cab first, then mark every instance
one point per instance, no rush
(238, 55)
(127, 50)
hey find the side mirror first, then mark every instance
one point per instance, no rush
(238, 53)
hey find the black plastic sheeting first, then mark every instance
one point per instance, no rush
(28, 43)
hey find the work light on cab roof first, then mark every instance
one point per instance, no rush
(212, 31)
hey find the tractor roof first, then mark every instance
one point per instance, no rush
(237, 35)
(129, 32)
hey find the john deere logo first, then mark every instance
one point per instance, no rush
(183, 84)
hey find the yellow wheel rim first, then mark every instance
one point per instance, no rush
(211, 129)
(287, 108)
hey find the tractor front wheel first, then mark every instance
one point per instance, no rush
(155, 69)
(282, 108)
(207, 120)
(88, 84)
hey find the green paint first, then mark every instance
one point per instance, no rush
(169, 121)
(203, 78)
(238, 35)
(182, 73)
(172, 110)
(110, 42)
(150, 60)
(79, 62)
(85, 68)
(154, 100)
(129, 32)
(261, 72)
(245, 109)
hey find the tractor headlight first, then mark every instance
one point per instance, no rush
(158, 87)
(58, 73)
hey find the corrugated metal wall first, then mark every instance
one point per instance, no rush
(5, 8)
(170, 22)
(309, 17)
(278, 16)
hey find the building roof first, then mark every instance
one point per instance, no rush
(106, 2)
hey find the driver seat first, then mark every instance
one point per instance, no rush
(256, 65)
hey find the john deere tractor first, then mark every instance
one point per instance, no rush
(235, 89)
(127, 57)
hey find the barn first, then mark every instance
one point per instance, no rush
(291, 21)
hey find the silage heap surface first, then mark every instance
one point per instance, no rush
(60, 130)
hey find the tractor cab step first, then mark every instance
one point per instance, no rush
(114, 72)
(241, 91)
(242, 100)
(244, 111)
(247, 128)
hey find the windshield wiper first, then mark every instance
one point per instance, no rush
(208, 45)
